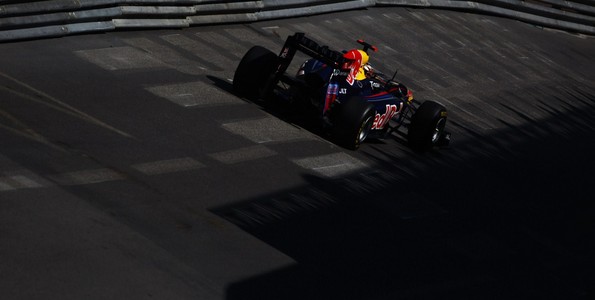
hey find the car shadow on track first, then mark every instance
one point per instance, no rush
(301, 116)
(503, 216)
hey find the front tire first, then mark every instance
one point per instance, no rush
(254, 71)
(427, 126)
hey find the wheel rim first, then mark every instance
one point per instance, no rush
(438, 130)
(365, 129)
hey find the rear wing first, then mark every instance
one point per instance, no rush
(299, 42)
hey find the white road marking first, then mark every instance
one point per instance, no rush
(198, 48)
(194, 94)
(332, 165)
(168, 166)
(232, 47)
(266, 130)
(24, 179)
(251, 37)
(24, 182)
(120, 58)
(41, 97)
(87, 177)
(243, 154)
(4, 186)
(16, 182)
(168, 56)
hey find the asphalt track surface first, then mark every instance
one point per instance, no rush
(130, 170)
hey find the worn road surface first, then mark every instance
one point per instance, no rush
(130, 170)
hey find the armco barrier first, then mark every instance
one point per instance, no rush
(278, 9)
(54, 18)
(59, 17)
(575, 16)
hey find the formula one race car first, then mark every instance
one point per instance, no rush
(352, 100)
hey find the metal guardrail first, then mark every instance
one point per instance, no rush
(52, 18)
(574, 16)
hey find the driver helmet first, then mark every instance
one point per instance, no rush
(356, 60)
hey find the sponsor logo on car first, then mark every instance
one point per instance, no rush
(381, 120)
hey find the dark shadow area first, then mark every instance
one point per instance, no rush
(221, 83)
(300, 115)
(508, 215)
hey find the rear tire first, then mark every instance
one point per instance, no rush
(427, 126)
(254, 71)
(352, 122)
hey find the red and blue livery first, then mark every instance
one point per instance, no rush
(353, 101)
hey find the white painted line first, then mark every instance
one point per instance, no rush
(266, 130)
(253, 38)
(332, 165)
(194, 94)
(243, 154)
(168, 166)
(23, 182)
(197, 48)
(420, 17)
(46, 99)
(120, 58)
(19, 181)
(169, 56)
(87, 177)
(237, 49)
(4, 185)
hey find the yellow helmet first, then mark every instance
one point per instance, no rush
(365, 57)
